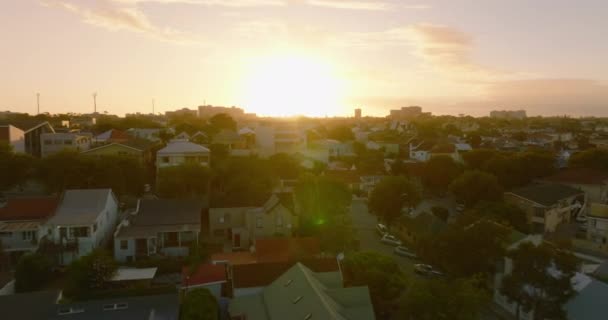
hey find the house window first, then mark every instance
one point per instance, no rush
(164, 159)
(48, 142)
(79, 232)
(592, 223)
(28, 235)
(259, 222)
(124, 244)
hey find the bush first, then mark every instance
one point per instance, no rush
(199, 304)
(33, 272)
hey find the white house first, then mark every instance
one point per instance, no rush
(55, 142)
(84, 220)
(166, 227)
(13, 136)
(179, 152)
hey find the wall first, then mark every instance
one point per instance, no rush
(121, 254)
(247, 291)
(17, 139)
(270, 227)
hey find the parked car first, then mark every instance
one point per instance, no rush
(460, 207)
(404, 252)
(426, 270)
(381, 229)
(390, 240)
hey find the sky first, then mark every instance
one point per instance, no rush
(311, 57)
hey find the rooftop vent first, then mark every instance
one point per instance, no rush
(296, 300)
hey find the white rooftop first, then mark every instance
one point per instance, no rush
(182, 146)
(129, 274)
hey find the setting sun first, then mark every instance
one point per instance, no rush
(289, 85)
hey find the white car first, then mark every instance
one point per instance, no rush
(390, 240)
(426, 270)
(404, 252)
(382, 229)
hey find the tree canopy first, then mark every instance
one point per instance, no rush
(380, 273)
(592, 158)
(439, 172)
(183, 181)
(89, 273)
(33, 272)
(459, 299)
(474, 186)
(199, 304)
(390, 195)
(540, 279)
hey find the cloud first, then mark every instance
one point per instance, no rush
(444, 49)
(371, 5)
(221, 3)
(114, 18)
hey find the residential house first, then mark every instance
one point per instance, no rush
(212, 277)
(182, 136)
(593, 182)
(165, 227)
(56, 142)
(33, 138)
(239, 227)
(179, 152)
(13, 136)
(283, 137)
(111, 136)
(300, 293)
(50, 306)
(140, 149)
(547, 205)
(597, 225)
(83, 221)
(20, 219)
(152, 134)
(240, 143)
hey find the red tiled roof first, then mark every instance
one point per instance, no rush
(283, 249)
(579, 176)
(205, 273)
(263, 274)
(28, 208)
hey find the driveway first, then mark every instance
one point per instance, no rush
(364, 224)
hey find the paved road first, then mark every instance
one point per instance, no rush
(365, 225)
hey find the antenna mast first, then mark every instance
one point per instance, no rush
(38, 102)
(95, 102)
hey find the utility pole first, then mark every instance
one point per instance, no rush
(38, 102)
(95, 102)
(152, 106)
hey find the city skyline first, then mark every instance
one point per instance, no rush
(311, 57)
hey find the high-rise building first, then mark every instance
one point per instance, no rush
(210, 111)
(358, 113)
(407, 112)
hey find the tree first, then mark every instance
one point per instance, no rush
(466, 248)
(502, 212)
(592, 158)
(474, 139)
(540, 279)
(199, 304)
(390, 195)
(183, 181)
(324, 212)
(242, 182)
(341, 133)
(32, 273)
(459, 299)
(441, 213)
(439, 172)
(474, 186)
(15, 169)
(285, 166)
(477, 159)
(89, 273)
(380, 273)
(222, 121)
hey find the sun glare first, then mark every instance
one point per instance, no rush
(290, 85)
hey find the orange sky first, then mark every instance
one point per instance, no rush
(313, 57)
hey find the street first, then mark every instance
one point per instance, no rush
(364, 224)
